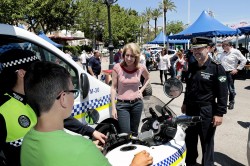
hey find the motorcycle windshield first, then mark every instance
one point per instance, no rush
(157, 105)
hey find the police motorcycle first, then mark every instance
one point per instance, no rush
(162, 132)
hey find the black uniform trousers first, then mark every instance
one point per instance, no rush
(205, 131)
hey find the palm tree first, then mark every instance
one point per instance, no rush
(148, 15)
(156, 13)
(167, 5)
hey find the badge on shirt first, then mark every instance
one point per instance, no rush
(206, 75)
(222, 78)
(24, 121)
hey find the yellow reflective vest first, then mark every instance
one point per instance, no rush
(19, 119)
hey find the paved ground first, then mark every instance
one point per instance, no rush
(231, 136)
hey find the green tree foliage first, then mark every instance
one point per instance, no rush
(46, 15)
(51, 15)
(174, 27)
(156, 13)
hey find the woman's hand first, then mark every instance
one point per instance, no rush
(114, 114)
(140, 94)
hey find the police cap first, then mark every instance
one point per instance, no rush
(198, 42)
(15, 59)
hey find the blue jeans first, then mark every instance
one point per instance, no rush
(129, 115)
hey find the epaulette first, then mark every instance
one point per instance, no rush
(215, 61)
(3, 99)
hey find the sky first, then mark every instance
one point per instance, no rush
(229, 12)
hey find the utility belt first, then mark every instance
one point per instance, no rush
(129, 101)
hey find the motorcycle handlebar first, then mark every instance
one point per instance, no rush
(186, 119)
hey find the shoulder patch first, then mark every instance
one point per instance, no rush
(3, 98)
(222, 78)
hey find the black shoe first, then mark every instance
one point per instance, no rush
(231, 106)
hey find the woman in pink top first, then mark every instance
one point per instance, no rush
(125, 86)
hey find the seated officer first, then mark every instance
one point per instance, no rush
(16, 116)
(49, 92)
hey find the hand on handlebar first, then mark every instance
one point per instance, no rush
(99, 136)
(97, 143)
(142, 158)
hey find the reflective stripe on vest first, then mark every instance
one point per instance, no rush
(19, 119)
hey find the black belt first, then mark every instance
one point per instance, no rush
(129, 101)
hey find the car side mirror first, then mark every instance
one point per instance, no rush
(84, 85)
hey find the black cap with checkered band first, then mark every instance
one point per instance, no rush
(15, 59)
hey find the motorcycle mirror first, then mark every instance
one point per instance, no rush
(91, 116)
(173, 87)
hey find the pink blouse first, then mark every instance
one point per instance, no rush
(128, 82)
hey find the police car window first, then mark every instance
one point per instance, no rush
(43, 54)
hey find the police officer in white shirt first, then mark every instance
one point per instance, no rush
(229, 60)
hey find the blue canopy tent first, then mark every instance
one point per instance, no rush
(244, 30)
(207, 26)
(42, 35)
(161, 38)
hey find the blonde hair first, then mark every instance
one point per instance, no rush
(135, 49)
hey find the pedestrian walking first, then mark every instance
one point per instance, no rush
(230, 59)
(83, 58)
(205, 96)
(163, 65)
(125, 86)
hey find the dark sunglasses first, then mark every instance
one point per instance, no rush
(74, 91)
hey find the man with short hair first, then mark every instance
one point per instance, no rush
(118, 56)
(16, 116)
(230, 59)
(94, 64)
(49, 90)
(205, 96)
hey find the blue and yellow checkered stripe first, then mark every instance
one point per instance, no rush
(90, 104)
(174, 159)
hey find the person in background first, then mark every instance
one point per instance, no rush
(211, 49)
(163, 64)
(142, 59)
(179, 64)
(94, 64)
(243, 50)
(172, 69)
(125, 86)
(205, 96)
(47, 144)
(83, 58)
(68, 53)
(118, 56)
(229, 60)
(16, 116)
(147, 56)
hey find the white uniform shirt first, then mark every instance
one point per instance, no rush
(143, 59)
(164, 63)
(229, 60)
(83, 58)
